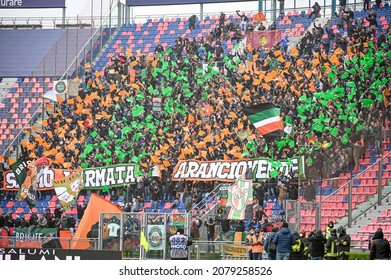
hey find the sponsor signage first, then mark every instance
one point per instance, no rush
(57, 254)
(93, 178)
(174, 2)
(27, 4)
(230, 170)
(234, 250)
(35, 238)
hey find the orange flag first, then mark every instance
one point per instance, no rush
(312, 87)
(154, 64)
(208, 138)
(266, 86)
(238, 155)
(190, 118)
(11, 161)
(94, 95)
(128, 52)
(315, 62)
(260, 17)
(225, 131)
(155, 159)
(113, 87)
(90, 218)
(251, 137)
(233, 115)
(2, 158)
(201, 133)
(334, 59)
(308, 73)
(281, 59)
(294, 51)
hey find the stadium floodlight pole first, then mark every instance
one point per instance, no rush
(92, 26)
(333, 6)
(63, 17)
(274, 9)
(110, 10)
(260, 6)
(201, 11)
(119, 8)
(101, 24)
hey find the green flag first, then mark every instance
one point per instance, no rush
(137, 110)
(334, 131)
(345, 139)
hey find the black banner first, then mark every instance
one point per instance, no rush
(57, 254)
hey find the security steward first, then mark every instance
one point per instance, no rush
(257, 248)
(343, 244)
(297, 248)
(251, 240)
(331, 245)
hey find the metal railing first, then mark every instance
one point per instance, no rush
(347, 189)
(50, 22)
(270, 12)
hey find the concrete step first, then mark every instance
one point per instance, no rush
(367, 215)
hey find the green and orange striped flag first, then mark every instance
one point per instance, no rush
(266, 119)
(240, 200)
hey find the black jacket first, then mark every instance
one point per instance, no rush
(318, 242)
(380, 248)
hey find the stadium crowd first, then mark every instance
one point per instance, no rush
(186, 102)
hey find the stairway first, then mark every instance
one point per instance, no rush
(366, 211)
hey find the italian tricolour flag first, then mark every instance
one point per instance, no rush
(266, 119)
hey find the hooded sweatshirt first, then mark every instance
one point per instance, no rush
(380, 248)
